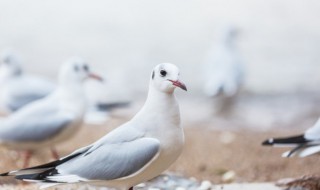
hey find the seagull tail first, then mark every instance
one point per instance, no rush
(289, 141)
(39, 173)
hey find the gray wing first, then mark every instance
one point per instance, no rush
(27, 89)
(20, 101)
(34, 127)
(110, 161)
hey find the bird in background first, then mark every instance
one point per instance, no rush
(136, 151)
(17, 88)
(305, 144)
(51, 120)
(223, 68)
(101, 104)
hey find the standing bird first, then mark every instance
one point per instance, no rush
(304, 145)
(17, 88)
(51, 120)
(223, 69)
(136, 151)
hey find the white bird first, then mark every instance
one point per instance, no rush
(17, 88)
(223, 67)
(51, 120)
(136, 151)
(304, 145)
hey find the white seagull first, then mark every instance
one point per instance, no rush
(18, 88)
(136, 151)
(223, 68)
(304, 145)
(51, 120)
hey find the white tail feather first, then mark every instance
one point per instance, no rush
(309, 151)
(287, 154)
(66, 178)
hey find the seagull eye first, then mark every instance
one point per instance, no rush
(86, 68)
(163, 73)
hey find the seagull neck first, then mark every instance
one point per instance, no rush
(161, 105)
(159, 100)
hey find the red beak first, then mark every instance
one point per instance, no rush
(95, 76)
(179, 84)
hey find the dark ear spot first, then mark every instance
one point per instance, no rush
(152, 75)
(86, 68)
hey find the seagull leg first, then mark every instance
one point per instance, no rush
(54, 153)
(131, 188)
(27, 156)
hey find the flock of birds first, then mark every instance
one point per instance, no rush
(43, 114)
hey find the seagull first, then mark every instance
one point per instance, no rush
(223, 70)
(51, 120)
(136, 151)
(17, 88)
(304, 145)
(223, 67)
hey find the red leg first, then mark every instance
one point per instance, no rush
(54, 153)
(27, 156)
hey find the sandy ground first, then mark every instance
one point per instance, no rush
(208, 154)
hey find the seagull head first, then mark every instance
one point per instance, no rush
(76, 70)
(165, 78)
(229, 33)
(10, 63)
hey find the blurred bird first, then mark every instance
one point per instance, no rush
(99, 112)
(304, 145)
(53, 119)
(100, 103)
(223, 69)
(135, 152)
(17, 88)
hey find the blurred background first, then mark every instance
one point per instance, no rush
(278, 42)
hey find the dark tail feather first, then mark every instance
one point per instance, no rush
(39, 176)
(283, 141)
(54, 163)
(5, 174)
(110, 106)
(35, 172)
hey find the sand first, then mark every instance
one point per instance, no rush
(208, 154)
